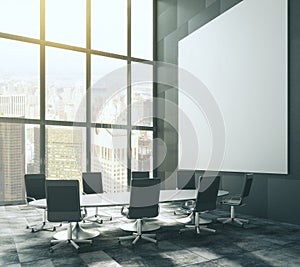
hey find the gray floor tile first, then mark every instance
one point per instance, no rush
(262, 243)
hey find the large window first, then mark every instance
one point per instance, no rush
(19, 79)
(109, 26)
(65, 84)
(69, 100)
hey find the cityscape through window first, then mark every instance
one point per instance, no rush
(62, 109)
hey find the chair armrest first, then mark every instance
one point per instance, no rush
(124, 211)
(30, 199)
(83, 212)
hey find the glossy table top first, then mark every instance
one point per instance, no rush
(122, 198)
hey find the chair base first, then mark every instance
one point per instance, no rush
(42, 227)
(69, 240)
(97, 218)
(238, 221)
(196, 223)
(186, 208)
(139, 234)
(232, 218)
(58, 243)
(198, 229)
(136, 237)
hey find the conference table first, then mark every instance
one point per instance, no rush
(119, 199)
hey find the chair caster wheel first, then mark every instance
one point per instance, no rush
(54, 229)
(32, 230)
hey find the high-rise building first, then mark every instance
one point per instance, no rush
(109, 155)
(12, 105)
(64, 150)
(12, 162)
(12, 147)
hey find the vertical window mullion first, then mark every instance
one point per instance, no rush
(88, 85)
(128, 91)
(42, 88)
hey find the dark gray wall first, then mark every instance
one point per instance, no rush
(272, 196)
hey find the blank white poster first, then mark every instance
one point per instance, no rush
(241, 58)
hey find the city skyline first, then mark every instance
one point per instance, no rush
(65, 146)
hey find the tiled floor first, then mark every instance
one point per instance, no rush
(261, 243)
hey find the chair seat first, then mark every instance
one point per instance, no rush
(232, 201)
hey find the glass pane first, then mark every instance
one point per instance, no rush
(65, 152)
(12, 162)
(20, 17)
(65, 21)
(141, 151)
(32, 148)
(65, 85)
(109, 155)
(142, 94)
(19, 79)
(109, 93)
(109, 25)
(142, 29)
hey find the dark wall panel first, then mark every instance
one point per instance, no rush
(272, 196)
(283, 200)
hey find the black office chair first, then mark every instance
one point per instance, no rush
(238, 200)
(63, 205)
(144, 203)
(140, 174)
(92, 184)
(206, 200)
(35, 189)
(185, 181)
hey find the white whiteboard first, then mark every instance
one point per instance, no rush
(241, 57)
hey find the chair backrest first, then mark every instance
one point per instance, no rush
(139, 174)
(186, 179)
(35, 186)
(208, 188)
(63, 200)
(144, 198)
(92, 182)
(247, 185)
